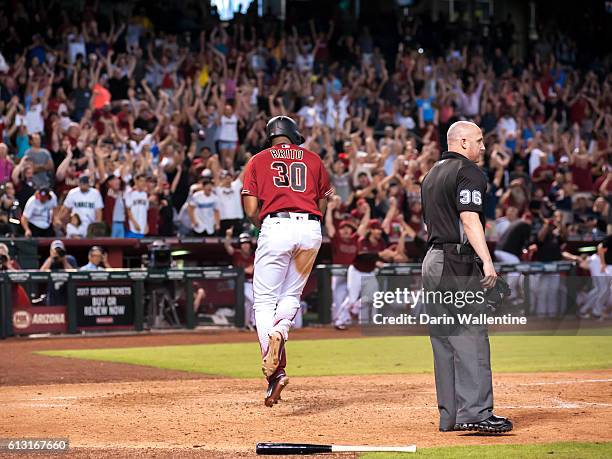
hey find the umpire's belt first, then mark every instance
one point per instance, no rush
(287, 215)
(459, 249)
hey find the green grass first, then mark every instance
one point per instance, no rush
(570, 450)
(361, 356)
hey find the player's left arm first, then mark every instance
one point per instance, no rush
(323, 205)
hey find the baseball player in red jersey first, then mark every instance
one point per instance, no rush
(243, 257)
(344, 239)
(285, 193)
(361, 275)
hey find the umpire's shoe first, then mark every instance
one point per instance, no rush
(273, 356)
(493, 424)
(449, 429)
(275, 387)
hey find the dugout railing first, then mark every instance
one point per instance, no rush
(115, 299)
(142, 283)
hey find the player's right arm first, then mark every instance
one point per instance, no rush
(251, 209)
(250, 201)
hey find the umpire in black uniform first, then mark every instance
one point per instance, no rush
(457, 260)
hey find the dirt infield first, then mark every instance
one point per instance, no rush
(117, 410)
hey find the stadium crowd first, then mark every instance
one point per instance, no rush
(113, 127)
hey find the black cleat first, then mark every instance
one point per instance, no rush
(275, 387)
(493, 424)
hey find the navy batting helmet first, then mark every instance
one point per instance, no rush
(283, 126)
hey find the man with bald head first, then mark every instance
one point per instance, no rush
(458, 263)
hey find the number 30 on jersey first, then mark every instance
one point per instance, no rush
(292, 176)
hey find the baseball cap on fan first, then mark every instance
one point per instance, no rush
(44, 193)
(348, 223)
(198, 162)
(57, 244)
(344, 158)
(244, 237)
(206, 176)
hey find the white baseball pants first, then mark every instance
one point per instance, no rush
(514, 278)
(355, 281)
(339, 293)
(286, 251)
(547, 295)
(249, 320)
(600, 297)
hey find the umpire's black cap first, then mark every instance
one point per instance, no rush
(283, 126)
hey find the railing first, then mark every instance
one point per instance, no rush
(126, 299)
(106, 300)
(401, 275)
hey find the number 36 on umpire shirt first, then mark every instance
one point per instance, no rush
(454, 185)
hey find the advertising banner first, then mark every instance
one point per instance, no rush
(39, 319)
(104, 305)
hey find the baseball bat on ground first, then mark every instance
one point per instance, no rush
(305, 448)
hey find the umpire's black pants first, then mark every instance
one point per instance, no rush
(461, 352)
